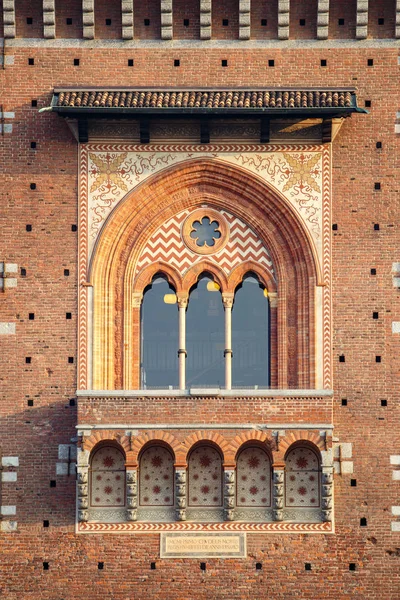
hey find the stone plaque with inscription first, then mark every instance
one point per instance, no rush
(203, 545)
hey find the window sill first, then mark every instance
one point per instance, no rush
(203, 392)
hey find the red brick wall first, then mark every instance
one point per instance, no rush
(69, 10)
(104, 10)
(303, 10)
(33, 433)
(25, 9)
(198, 410)
(342, 9)
(264, 10)
(147, 9)
(186, 10)
(225, 9)
(385, 10)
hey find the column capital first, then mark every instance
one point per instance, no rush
(182, 298)
(273, 299)
(137, 299)
(229, 466)
(278, 465)
(227, 299)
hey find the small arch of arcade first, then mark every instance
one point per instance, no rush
(204, 477)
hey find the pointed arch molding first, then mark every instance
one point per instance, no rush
(262, 186)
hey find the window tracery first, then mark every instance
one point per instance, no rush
(200, 344)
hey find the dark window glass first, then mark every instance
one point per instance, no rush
(159, 317)
(250, 335)
(205, 232)
(205, 335)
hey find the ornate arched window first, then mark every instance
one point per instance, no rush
(205, 483)
(205, 335)
(107, 482)
(159, 335)
(302, 483)
(250, 334)
(156, 483)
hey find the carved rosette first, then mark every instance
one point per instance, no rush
(180, 494)
(277, 493)
(131, 494)
(83, 494)
(327, 493)
(195, 219)
(229, 494)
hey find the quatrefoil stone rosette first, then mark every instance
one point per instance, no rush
(188, 227)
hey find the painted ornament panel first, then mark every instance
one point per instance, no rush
(297, 173)
(205, 477)
(107, 478)
(253, 478)
(302, 479)
(156, 477)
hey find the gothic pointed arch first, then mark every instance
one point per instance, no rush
(185, 187)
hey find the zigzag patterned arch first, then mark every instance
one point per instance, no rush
(166, 245)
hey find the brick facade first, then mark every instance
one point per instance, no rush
(40, 407)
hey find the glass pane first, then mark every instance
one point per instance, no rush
(159, 336)
(205, 336)
(250, 336)
(205, 232)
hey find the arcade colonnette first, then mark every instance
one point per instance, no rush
(200, 309)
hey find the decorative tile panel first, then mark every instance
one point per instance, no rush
(302, 486)
(107, 478)
(253, 478)
(205, 477)
(156, 477)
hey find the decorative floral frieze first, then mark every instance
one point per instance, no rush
(296, 172)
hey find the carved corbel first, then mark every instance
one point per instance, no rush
(327, 493)
(278, 482)
(131, 494)
(229, 494)
(83, 493)
(180, 494)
